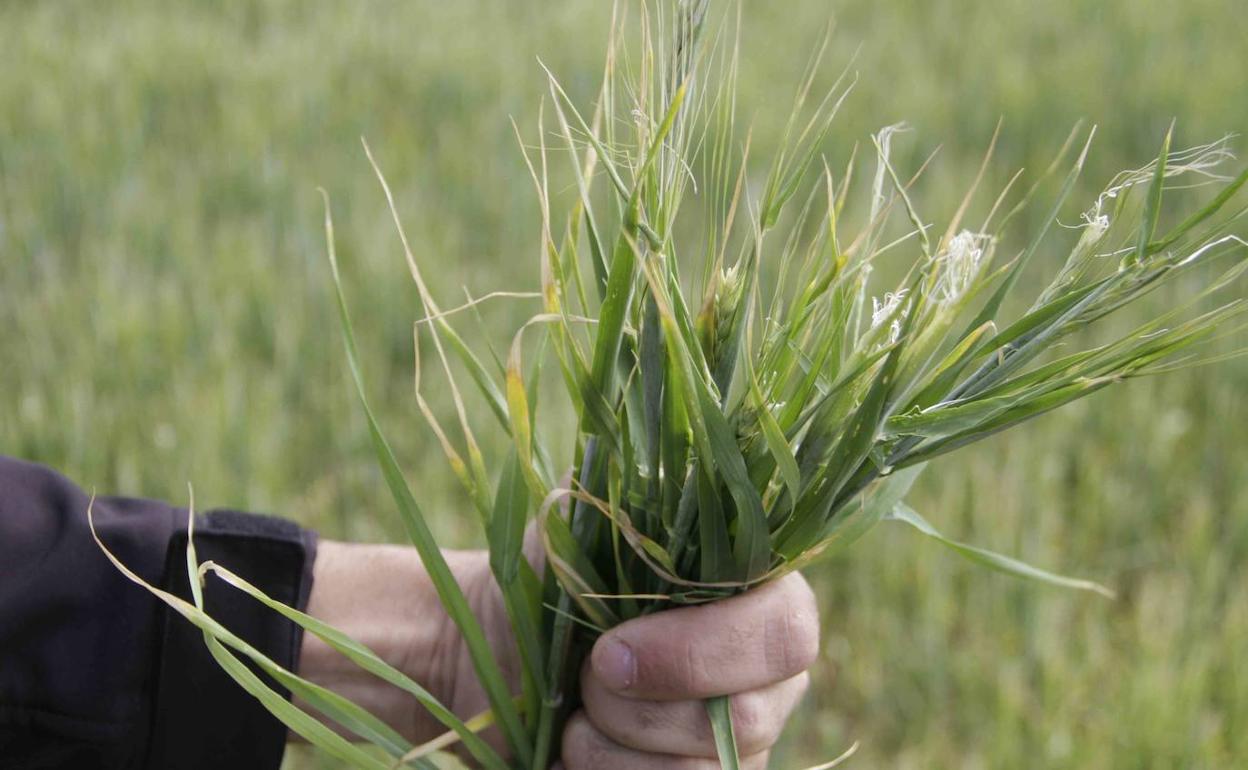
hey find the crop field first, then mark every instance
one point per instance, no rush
(166, 314)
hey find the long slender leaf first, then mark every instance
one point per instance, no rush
(449, 592)
(1006, 564)
(366, 659)
(720, 712)
(1152, 203)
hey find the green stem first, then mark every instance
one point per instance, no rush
(561, 638)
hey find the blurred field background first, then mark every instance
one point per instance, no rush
(165, 315)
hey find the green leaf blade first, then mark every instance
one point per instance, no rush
(993, 560)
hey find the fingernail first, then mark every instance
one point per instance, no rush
(615, 664)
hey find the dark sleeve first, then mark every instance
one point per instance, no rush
(94, 671)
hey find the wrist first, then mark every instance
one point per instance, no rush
(382, 596)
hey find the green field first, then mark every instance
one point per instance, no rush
(166, 315)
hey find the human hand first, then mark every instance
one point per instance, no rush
(644, 683)
(645, 714)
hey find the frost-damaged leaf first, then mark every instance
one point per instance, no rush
(476, 462)
(449, 592)
(851, 751)
(446, 740)
(1006, 564)
(518, 411)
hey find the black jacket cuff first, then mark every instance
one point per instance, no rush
(203, 719)
(96, 672)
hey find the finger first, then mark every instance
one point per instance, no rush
(682, 727)
(763, 636)
(585, 748)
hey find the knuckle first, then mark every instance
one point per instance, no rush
(792, 638)
(754, 722)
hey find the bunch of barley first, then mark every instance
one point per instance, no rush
(782, 406)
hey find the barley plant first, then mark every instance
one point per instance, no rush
(749, 393)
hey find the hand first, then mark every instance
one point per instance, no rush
(644, 683)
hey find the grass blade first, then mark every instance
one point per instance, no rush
(449, 592)
(992, 560)
(720, 712)
(1152, 203)
(1203, 214)
(366, 659)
